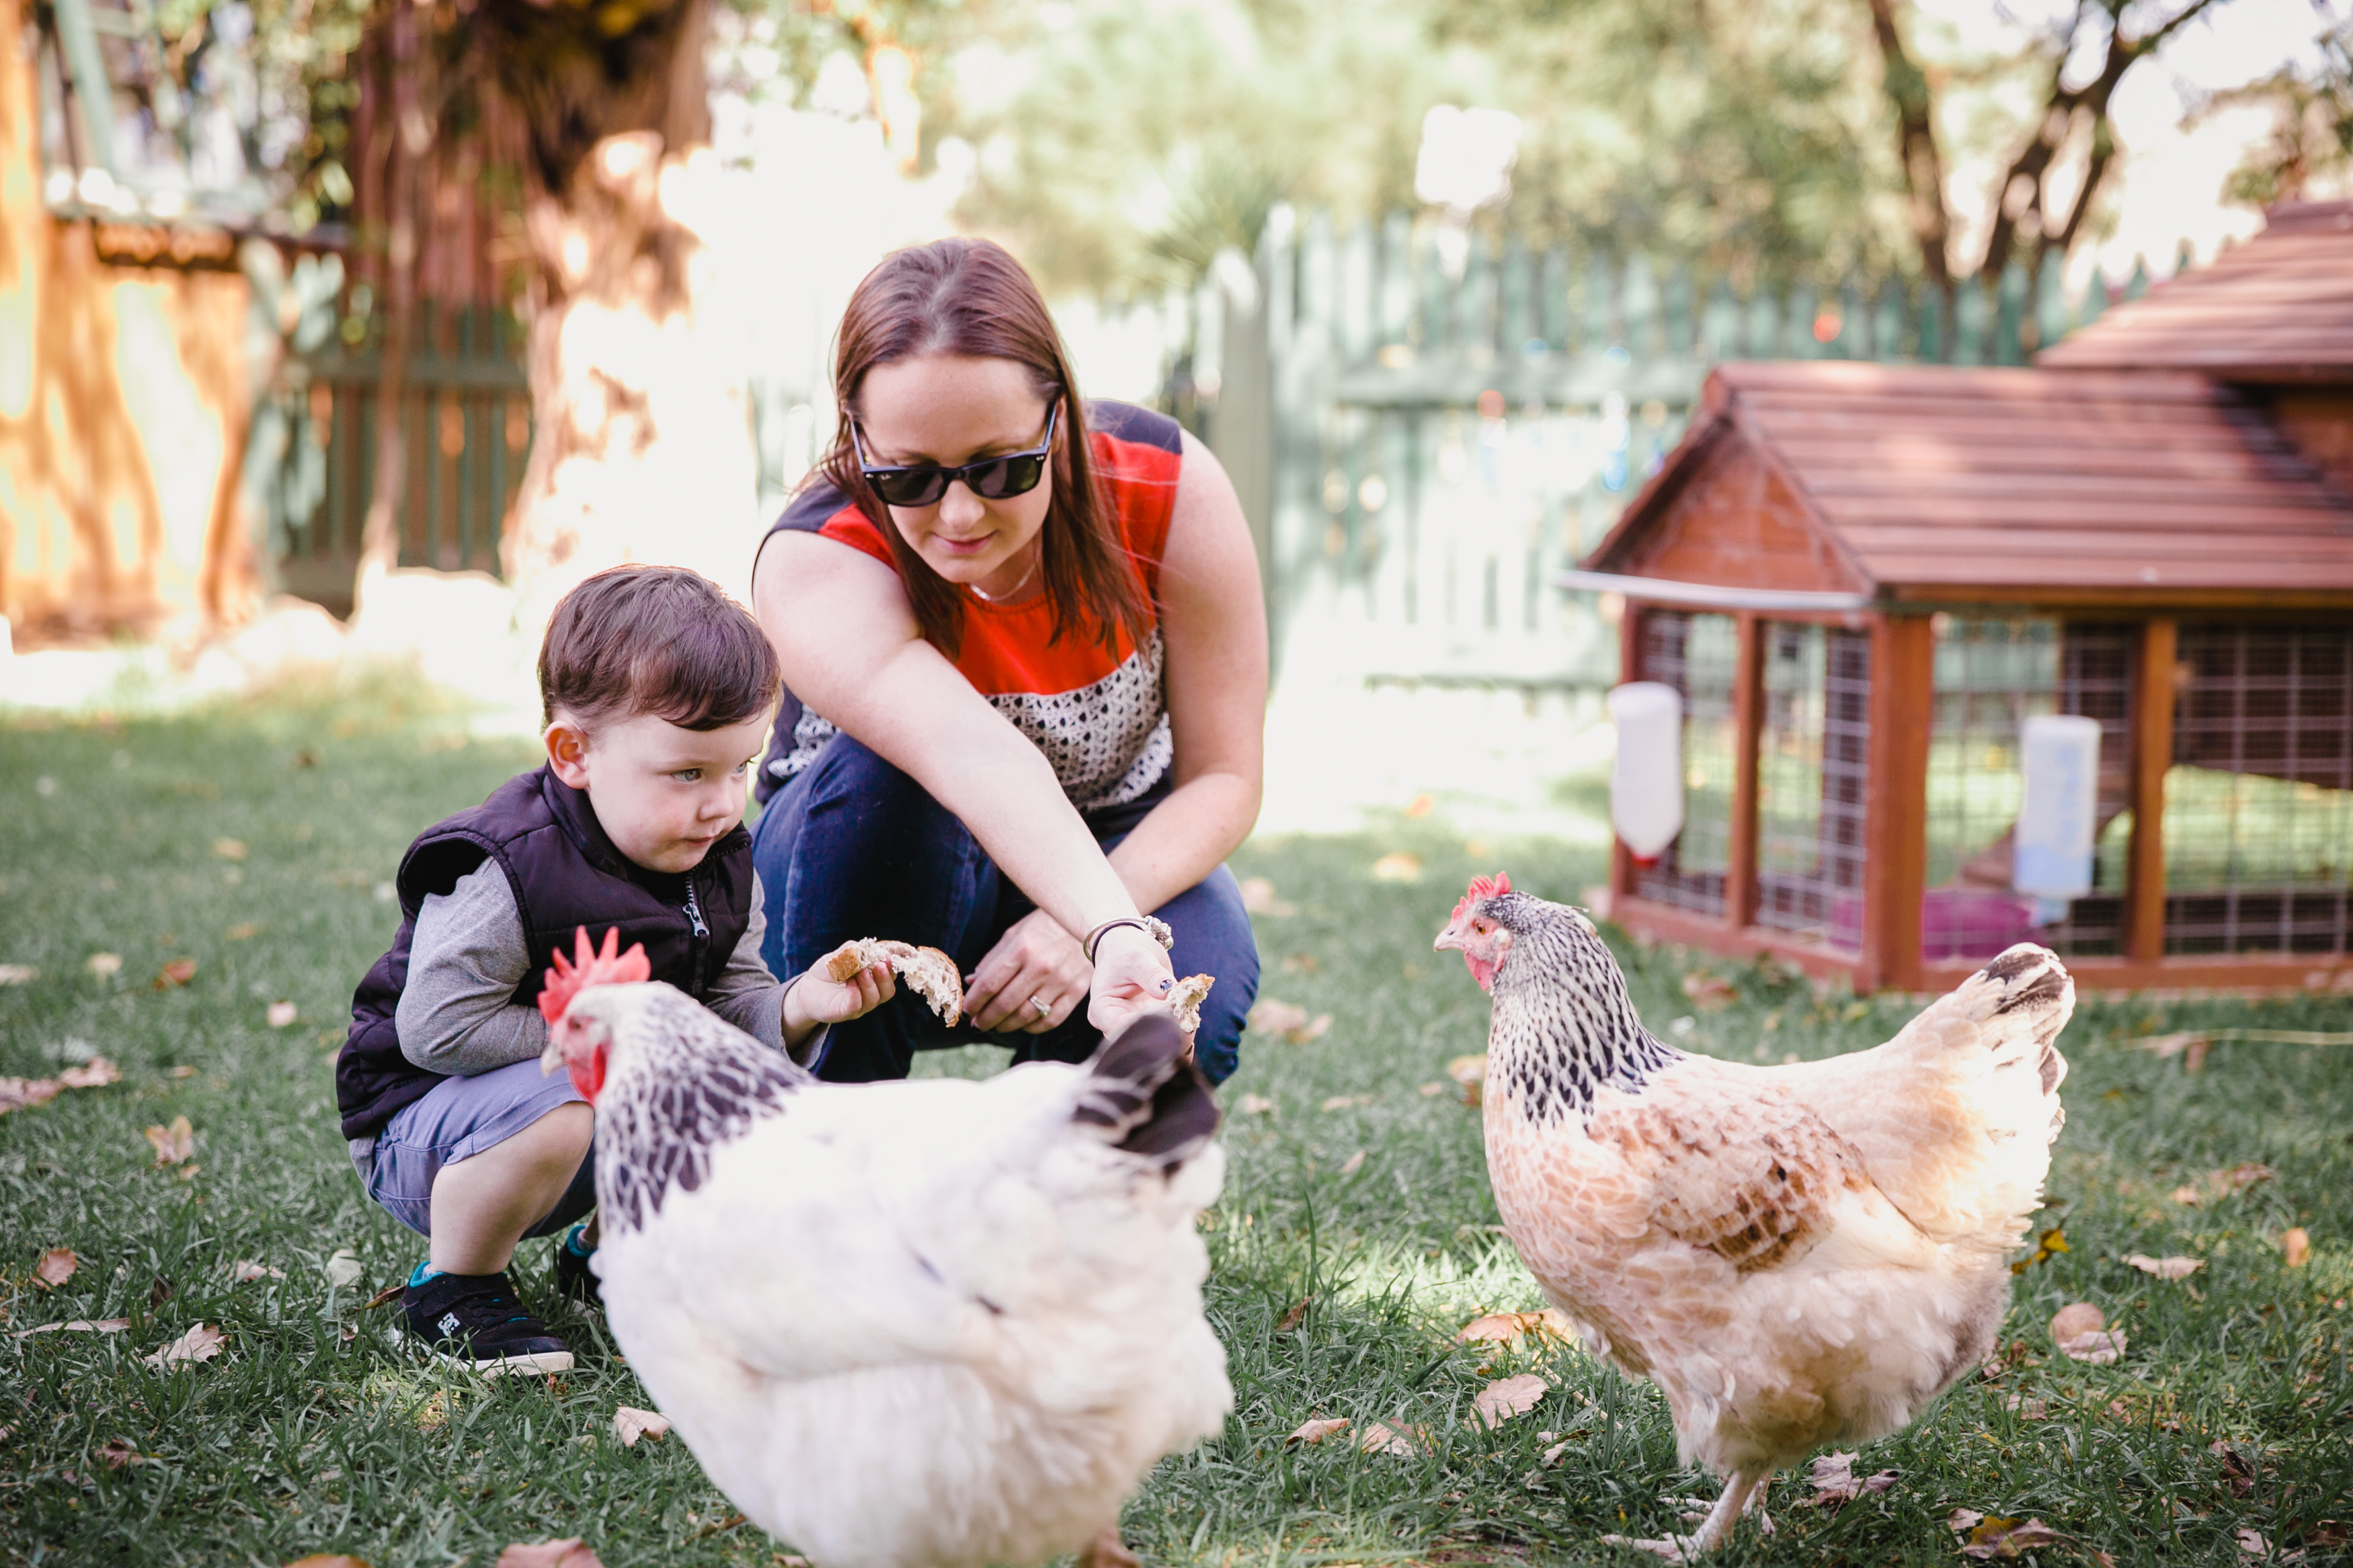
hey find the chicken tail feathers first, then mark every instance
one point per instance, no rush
(1145, 1091)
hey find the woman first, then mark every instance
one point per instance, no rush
(1024, 650)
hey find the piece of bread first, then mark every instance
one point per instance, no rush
(931, 972)
(1184, 1000)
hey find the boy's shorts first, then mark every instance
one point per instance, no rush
(459, 1118)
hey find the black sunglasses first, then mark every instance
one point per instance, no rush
(921, 484)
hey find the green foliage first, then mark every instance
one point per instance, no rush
(2310, 149)
(316, 1431)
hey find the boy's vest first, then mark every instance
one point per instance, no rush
(565, 875)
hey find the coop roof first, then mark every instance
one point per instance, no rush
(2277, 309)
(1920, 482)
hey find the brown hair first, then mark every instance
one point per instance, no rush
(968, 299)
(655, 639)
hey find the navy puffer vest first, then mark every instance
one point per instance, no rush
(565, 875)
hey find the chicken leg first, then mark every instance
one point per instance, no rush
(1743, 1493)
(1108, 1551)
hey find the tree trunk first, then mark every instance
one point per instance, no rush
(411, 134)
(642, 449)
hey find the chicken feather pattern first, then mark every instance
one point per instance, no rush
(1796, 1256)
(926, 1324)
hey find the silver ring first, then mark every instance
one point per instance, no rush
(1044, 1010)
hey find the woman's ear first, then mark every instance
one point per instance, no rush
(567, 753)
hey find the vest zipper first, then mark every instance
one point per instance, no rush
(701, 934)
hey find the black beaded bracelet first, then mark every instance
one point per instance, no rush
(1150, 925)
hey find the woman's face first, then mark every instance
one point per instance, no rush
(949, 412)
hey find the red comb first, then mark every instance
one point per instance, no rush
(591, 967)
(1484, 886)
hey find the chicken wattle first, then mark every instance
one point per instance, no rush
(924, 1324)
(1796, 1256)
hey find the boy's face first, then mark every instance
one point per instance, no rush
(663, 795)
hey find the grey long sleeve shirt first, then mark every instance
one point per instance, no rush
(457, 1014)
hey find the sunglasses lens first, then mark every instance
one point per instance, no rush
(1009, 476)
(909, 487)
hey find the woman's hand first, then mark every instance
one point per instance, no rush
(816, 1000)
(1035, 958)
(1132, 977)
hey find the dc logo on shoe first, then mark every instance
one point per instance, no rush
(449, 1323)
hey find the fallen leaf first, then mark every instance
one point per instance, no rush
(1508, 1396)
(1316, 1431)
(1405, 1442)
(1258, 898)
(329, 1560)
(2077, 1318)
(1297, 1316)
(2238, 1475)
(2238, 1178)
(184, 1071)
(2096, 1348)
(1467, 1070)
(200, 1343)
(188, 1173)
(1257, 1105)
(1277, 1018)
(103, 965)
(1503, 1328)
(1709, 991)
(172, 1143)
(2252, 1542)
(281, 1014)
(16, 1093)
(1431, 1090)
(1310, 1032)
(631, 1424)
(245, 1271)
(2165, 1267)
(2185, 1195)
(95, 1073)
(1398, 866)
(1353, 1163)
(1301, 962)
(2009, 1538)
(342, 1268)
(117, 1452)
(179, 972)
(1420, 806)
(2026, 1407)
(1349, 1101)
(79, 1326)
(393, 1292)
(2052, 1242)
(571, 1553)
(229, 849)
(57, 1266)
(1836, 1484)
(1962, 1519)
(18, 974)
(2295, 1247)
(243, 930)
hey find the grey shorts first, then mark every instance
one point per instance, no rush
(457, 1120)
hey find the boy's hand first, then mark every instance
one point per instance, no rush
(816, 1000)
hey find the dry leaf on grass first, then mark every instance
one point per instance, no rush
(1836, 1484)
(631, 1424)
(281, 1014)
(175, 1144)
(245, 1271)
(2079, 1332)
(1353, 1163)
(2165, 1267)
(200, 1343)
(117, 1452)
(1297, 1316)
(2026, 1407)
(1431, 1090)
(1292, 1023)
(1349, 1101)
(2252, 1542)
(330, 1560)
(1503, 1328)
(2295, 1247)
(1257, 1105)
(18, 974)
(1258, 898)
(342, 1268)
(1316, 1431)
(1398, 866)
(103, 965)
(2187, 1195)
(2006, 1538)
(1405, 1442)
(571, 1554)
(1506, 1397)
(57, 1266)
(1709, 991)
(95, 1073)
(16, 1093)
(186, 1072)
(229, 849)
(79, 1326)
(2052, 1243)
(243, 930)
(179, 972)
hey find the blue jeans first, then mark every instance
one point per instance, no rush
(854, 848)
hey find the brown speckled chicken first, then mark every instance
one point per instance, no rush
(1796, 1256)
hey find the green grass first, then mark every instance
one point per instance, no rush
(315, 1431)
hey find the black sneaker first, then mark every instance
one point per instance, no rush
(477, 1321)
(574, 1280)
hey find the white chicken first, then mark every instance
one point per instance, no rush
(924, 1324)
(1796, 1256)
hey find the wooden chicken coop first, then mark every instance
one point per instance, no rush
(1864, 580)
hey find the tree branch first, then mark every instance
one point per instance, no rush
(1923, 167)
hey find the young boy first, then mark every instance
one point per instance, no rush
(656, 691)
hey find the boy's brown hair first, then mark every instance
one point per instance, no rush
(655, 639)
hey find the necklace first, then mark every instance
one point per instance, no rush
(1001, 598)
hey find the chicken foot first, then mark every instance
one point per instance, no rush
(1743, 1493)
(1107, 1551)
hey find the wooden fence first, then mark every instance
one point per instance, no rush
(1421, 448)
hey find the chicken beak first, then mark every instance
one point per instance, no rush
(1455, 938)
(552, 1058)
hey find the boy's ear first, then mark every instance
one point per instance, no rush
(567, 753)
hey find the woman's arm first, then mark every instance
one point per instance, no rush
(1213, 619)
(852, 651)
